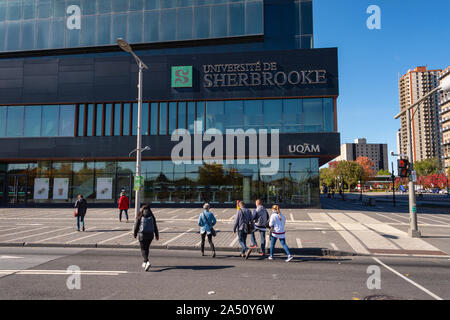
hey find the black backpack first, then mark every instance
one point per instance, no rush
(147, 225)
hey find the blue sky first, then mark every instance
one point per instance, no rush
(413, 33)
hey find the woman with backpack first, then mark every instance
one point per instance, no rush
(80, 211)
(124, 204)
(206, 222)
(145, 227)
(277, 224)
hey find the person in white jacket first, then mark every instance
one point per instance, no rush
(277, 224)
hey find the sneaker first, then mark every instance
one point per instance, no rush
(262, 254)
(143, 264)
(247, 253)
(270, 258)
(289, 258)
(147, 266)
(214, 254)
(254, 246)
(83, 229)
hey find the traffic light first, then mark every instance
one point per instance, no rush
(403, 168)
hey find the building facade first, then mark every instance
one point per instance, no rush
(445, 121)
(237, 103)
(426, 120)
(376, 152)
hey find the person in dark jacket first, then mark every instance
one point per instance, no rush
(242, 221)
(81, 209)
(124, 204)
(260, 217)
(146, 229)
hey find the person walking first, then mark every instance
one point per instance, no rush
(243, 223)
(206, 221)
(261, 218)
(277, 224)
(124, 205)
(145, 229)
(80, 211)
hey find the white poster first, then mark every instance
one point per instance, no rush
(104, 188)
(60, 188)
(41, 188)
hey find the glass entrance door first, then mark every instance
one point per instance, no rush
(124, 183)
(17, 189)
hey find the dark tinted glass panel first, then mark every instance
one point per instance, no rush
(190, 116)
(88, 6)
(14, 11)
(13, 36)
(58, 27)
(181, 115)
(32, 123)
(135, 119)
(237, 19)
(50, 118)
(200, 119)
(172, 117)
(215, 115)
(135, 25)
(43, 34)
(184, 23)
(120, 5)
(117, 115)
(254, 18)
(253, 114)
(219, 17)
(81, 120)
(15, 121)
(103, 29)
(28, 34)
(312, 115)
(66, 120)
(145, 107)
(154, 119)
(292, 112)
(119, 26)
(29, 9)
(234, 115)
(136, 5)
(328, 115)
(108, 115)
(168, 4)
(87, 36)
(3, 112)
(202, 18)
(151, 4)
(59, 8)
(99, 120)
(2, 35)
(126, 119)
(168, 26)
(273, 114)
(306, 17)
(163, 118)
(103, 6)
(44, 8)
(90, 120)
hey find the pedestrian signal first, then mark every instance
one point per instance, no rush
(403, 168)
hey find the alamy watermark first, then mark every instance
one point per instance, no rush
(218, 152)
(374, 20)
(73, 282)
(374, 280)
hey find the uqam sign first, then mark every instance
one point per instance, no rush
(304, 148)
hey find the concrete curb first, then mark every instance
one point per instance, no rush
(321, 252)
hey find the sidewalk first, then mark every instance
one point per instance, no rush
(310, 232)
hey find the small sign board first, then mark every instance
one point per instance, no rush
(138, 183)
(414, 176)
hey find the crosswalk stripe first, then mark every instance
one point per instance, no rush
(90, 236)
(62, 235)
(180, 235)
(39, 234)
(25, 231)
(116, 237)
(299, 243)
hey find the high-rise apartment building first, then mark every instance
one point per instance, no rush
(445, 121)
(425, 120)
(376, 152)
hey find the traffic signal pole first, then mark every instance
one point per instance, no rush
(413, 226)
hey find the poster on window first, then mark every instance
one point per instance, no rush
(104, 188)
(60, 188)
(41, 188)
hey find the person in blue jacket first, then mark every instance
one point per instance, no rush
(206, 221)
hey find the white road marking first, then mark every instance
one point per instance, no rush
(292, 217)
(334, 246)
(127, 233)
(434, 219)
(10, 257)
(25, 231)
(11, 229)
(324, 232)
(409, 280)
(175, 238)
(232, 244)
(193, 217)
(299, 243)
(38, 234)
(389, 218)
(63, 235)
(160, 231)
(89, 236)
(62, 272)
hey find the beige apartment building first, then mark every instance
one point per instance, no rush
(426, 130)
(376, 152)
(445, 121)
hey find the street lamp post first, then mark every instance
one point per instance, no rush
(393, 183)
(141, 65)
(413, 230)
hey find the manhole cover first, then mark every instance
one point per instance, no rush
(382, 297)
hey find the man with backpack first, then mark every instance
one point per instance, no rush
(243, 223)
(145, 227)
(261, 219)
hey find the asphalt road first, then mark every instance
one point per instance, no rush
(41, 273)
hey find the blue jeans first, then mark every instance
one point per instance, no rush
(273, 240)
(80, 218)
(243, 240)
(263, 239)
(120, 214)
